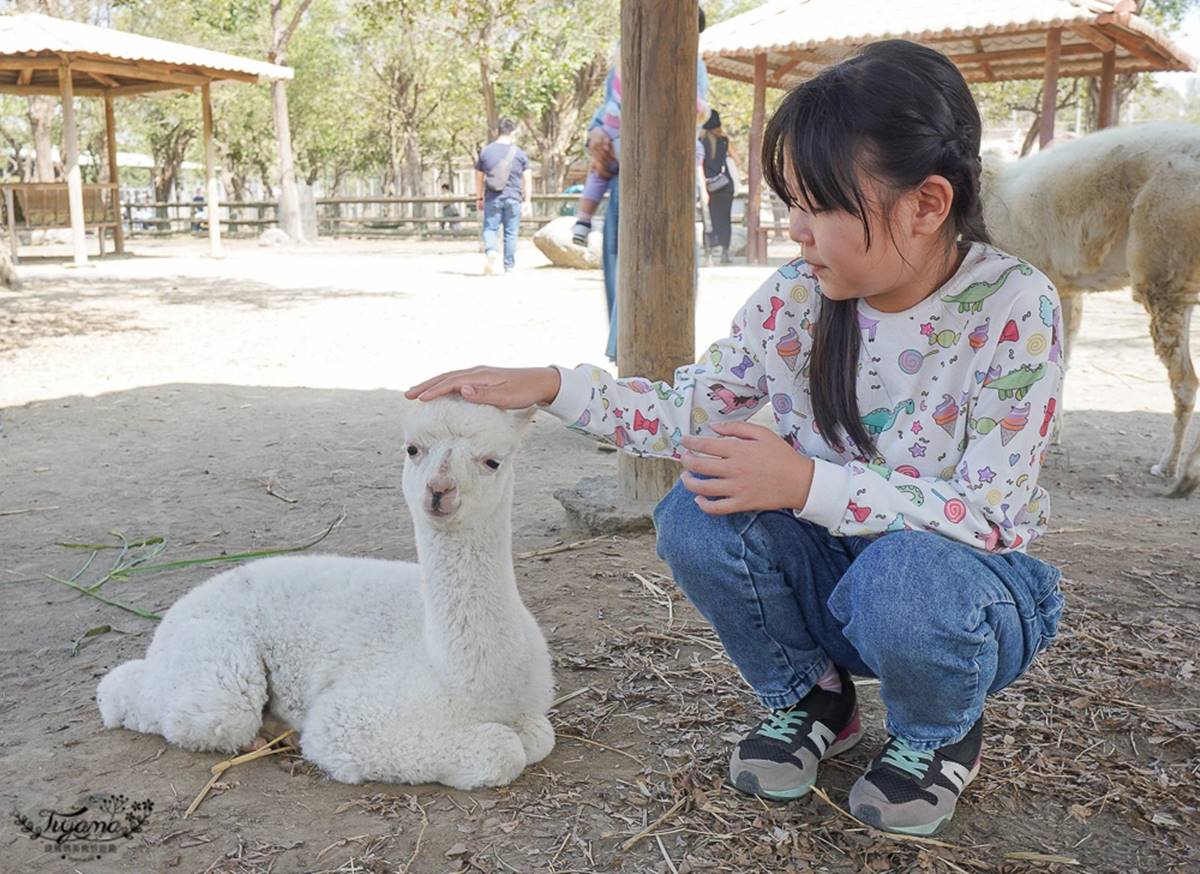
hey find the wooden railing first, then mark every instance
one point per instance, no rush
(417, 217)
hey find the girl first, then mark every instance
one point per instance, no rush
(879, 529)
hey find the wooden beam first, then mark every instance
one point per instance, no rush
(1095, 37)
(754, 196)
(114, 173)
(24, 77)
(71, 166)
(1138, 47)
(212, 194)
(106, 81)
(47, 90)
(140, 71)
(1050, 87)
(656, 310)
(35, 63)
(1108, 77)
(150, 88)
(978, 44)
(1033, 53)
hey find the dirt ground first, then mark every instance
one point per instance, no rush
(248, 403)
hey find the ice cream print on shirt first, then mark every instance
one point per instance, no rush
(959, 394)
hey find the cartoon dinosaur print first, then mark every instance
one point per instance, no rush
(879, 420)
(666, 393)
(731, 401)
(971, 298)
(1016, 383)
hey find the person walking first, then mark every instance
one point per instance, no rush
(503, 185)
(719, 183)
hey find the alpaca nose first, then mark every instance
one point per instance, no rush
(443, 496)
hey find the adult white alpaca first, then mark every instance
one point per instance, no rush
(407, 673)
(1117, 208)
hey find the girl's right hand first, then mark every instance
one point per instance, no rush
(509, 388)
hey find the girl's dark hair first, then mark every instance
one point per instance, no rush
(896, 112)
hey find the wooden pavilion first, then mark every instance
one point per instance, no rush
(784, 42)
(52, 56)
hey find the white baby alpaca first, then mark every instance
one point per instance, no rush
(391, 671)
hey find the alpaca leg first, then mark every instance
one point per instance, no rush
(349, 739)
(218, 709)
(1169, 329)
(199, 697)
(536, 734)
(1072, 318)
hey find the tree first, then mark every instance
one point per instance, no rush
(552, 76)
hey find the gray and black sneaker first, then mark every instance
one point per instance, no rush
(779, 758)
(581, 231)
(914, 792)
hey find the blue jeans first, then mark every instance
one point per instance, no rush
(504, 209)
(941, 624)
(612, 221)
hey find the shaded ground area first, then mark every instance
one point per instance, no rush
(168, 408)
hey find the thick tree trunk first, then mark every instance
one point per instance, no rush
(41, 120)
(289, 194)
(414, 178)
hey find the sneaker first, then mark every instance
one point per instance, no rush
(913, 792)
(579, 236)
(779, 759)
(492, 265)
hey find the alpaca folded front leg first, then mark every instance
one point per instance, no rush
(487, 754)
(536, 734)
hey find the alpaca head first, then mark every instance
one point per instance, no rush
(458, 461)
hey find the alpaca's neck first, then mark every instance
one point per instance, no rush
(472, 609)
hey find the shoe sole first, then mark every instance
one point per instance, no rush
(747, 781)
(873, 817)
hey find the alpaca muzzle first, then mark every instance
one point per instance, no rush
(441, 499)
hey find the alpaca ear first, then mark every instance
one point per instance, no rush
(523, 418)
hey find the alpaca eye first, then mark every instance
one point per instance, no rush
(412, 451)
(493, 464)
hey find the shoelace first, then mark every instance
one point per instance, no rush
(782, 725)
(900, 755)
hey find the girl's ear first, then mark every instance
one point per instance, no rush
(931, 207)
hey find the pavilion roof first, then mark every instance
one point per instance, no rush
(990, 40)
(102, 60)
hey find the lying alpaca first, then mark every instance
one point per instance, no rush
(391, 671)
(1120, 207)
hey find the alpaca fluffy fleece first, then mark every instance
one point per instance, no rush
(392, 671)
(1119, 207)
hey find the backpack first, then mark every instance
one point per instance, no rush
(497, 177)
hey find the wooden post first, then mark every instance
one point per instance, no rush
(754, 196)
(212, 195)
(10, 209)
(1108, 76)
(71, 165)
(656, 331)
(110, 133)
(1050, 86)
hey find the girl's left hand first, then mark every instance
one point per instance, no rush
(750, 468)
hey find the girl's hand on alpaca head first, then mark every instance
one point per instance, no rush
(748, 468)
(509, 388)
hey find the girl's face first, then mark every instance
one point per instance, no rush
(891, 273)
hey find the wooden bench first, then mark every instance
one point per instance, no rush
(43, 206)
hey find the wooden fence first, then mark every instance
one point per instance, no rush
(419, 217)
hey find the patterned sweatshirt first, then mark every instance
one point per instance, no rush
(959, 393)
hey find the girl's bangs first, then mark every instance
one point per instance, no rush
(811, 157)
